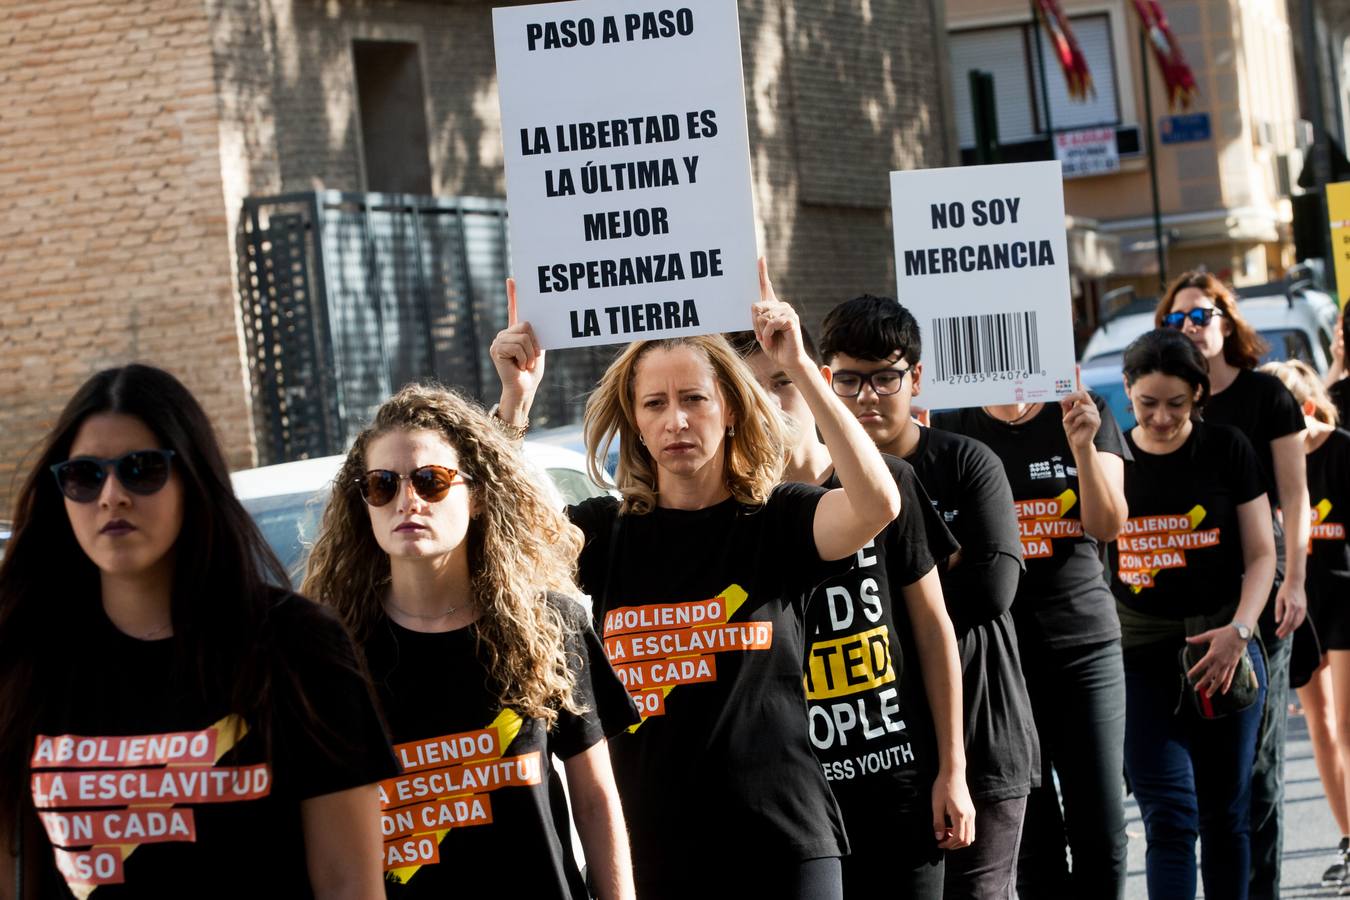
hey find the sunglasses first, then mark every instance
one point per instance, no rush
(884, 382)
(432, 483)
(141, 471)
(1200, 317)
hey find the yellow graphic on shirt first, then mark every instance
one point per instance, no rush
(1039, 522)
(1322, 530)
(1149, 544)
(849, 665)
(97, 792)
(660, 646)
(446, 783)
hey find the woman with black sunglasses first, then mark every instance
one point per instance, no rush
(170, 722)
(1261, 407)
(452, 568)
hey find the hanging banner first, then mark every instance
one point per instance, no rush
(627, 169)
(1338, 212)
(981, 258)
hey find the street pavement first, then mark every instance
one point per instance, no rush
(1310, 831)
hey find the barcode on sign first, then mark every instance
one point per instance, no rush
(988, 344)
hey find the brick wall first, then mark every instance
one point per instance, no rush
(131, 131)
(114, 243)
(838, 94)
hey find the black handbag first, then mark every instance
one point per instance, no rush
(1242, 692)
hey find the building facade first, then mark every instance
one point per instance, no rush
(131, 132)
(1225, 167)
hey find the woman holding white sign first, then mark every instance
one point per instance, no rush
(179, 725)
(699, 579)
(452, 569)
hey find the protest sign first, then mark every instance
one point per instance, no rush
(627, 169)
(981, 260)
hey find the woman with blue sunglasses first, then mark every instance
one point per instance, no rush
(1261, 407)
(171, 723)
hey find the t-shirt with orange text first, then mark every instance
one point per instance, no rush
(701, 613)
(145, 790)
(1062, 600)
(478, 810)
(1328, 550)
(1180, 552)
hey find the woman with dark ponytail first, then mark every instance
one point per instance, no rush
(1190, 571)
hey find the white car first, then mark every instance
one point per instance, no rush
(287, 500)
(1298, 324)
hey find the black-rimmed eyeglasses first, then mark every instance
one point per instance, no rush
(883, 382)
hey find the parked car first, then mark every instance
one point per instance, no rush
(1297, 322)
(287, 500)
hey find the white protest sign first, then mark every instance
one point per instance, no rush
(627, 169)
(981, 260)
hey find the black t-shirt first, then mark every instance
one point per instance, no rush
(701, 613)
(1328, 551)
(1180, 553)
(970, 491)
(1340, 395)
(1063, 600)
(477, 797)
(870, 721)
(144, 790)
(1261, 407)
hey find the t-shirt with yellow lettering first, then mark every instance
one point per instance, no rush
(145, 789)
(870, 723)
(1180, 552)
(478, 805)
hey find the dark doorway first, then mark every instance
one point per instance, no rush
(393, 117)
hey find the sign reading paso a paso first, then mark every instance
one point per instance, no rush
(627, 168)
(981, 260)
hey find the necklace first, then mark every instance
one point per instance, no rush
(1021, 417)
(412, 615)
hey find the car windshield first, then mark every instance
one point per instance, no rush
(289, 523)
(1102, 373)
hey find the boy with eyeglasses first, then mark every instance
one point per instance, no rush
(871, 348)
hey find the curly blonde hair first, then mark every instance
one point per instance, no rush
(519, 546)
(754, 456)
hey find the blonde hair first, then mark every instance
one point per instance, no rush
(754, 456)
(519, 547)
(1306, 386)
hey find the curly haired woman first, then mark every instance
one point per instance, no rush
(451, 568)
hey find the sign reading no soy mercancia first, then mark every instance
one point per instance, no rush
(982, 262)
